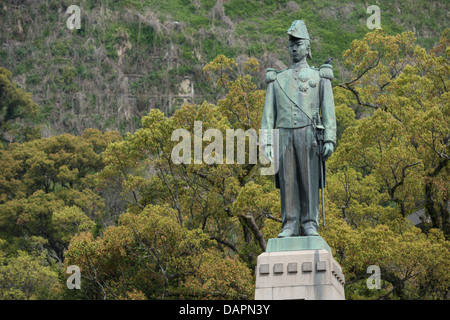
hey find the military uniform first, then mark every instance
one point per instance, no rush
(294, 99)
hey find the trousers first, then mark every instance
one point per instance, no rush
(298, 174)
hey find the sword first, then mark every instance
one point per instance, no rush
(320, 136)
(323, 183)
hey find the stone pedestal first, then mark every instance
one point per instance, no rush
(298, 268)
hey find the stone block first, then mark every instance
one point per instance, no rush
(321, 266)
(319, 277)
(307, 266)
(264, 269)
(292, 267)
(278, 268)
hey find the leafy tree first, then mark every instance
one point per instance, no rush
(404, 145)
(46, 182)
(152, 254)
(69, 221)
(412, 264)
(16, 109)
(28, 277)
(390, 163)
(212, 202)
(204, 195)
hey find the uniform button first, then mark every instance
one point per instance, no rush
(295, 122)
(295, 114)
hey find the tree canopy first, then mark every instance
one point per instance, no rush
(144, 219)
(17, 109)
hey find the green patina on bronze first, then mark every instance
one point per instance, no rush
(297, 243)
(300, 104)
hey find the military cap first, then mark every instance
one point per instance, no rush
(298, 30)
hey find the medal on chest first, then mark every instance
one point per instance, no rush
(304, 81)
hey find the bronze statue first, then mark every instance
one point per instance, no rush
(299, 103)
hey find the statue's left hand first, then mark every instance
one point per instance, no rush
(328, 149)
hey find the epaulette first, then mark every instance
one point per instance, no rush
(271, 75)
(326, 71)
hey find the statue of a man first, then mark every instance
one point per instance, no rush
(299, 99)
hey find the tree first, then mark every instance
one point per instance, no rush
(389, 163)
(45, 182)
(204, 195)
(412, 263)
(405, 144)
(374, 180)
(28, 277)
(16, 109)
(151, 253)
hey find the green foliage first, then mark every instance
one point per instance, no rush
(210, 198)
(27, 277)
(69, 221)
(143, 227)
(390, 164)
(403, 145)
(61, 48)
(410, 261)
(173, 39)
(46, 182)
(152, 254)
(16, 109)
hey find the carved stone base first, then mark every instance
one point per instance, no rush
(310, 273)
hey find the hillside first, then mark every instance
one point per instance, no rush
(134, 55)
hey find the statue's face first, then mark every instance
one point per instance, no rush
(298, 49)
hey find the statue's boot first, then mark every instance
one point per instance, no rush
(309, 232)
(287, 233)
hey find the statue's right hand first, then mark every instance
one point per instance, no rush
(269, 152)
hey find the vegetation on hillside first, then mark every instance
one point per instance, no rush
(131, 56)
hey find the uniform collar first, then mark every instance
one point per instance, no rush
(299, 65)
